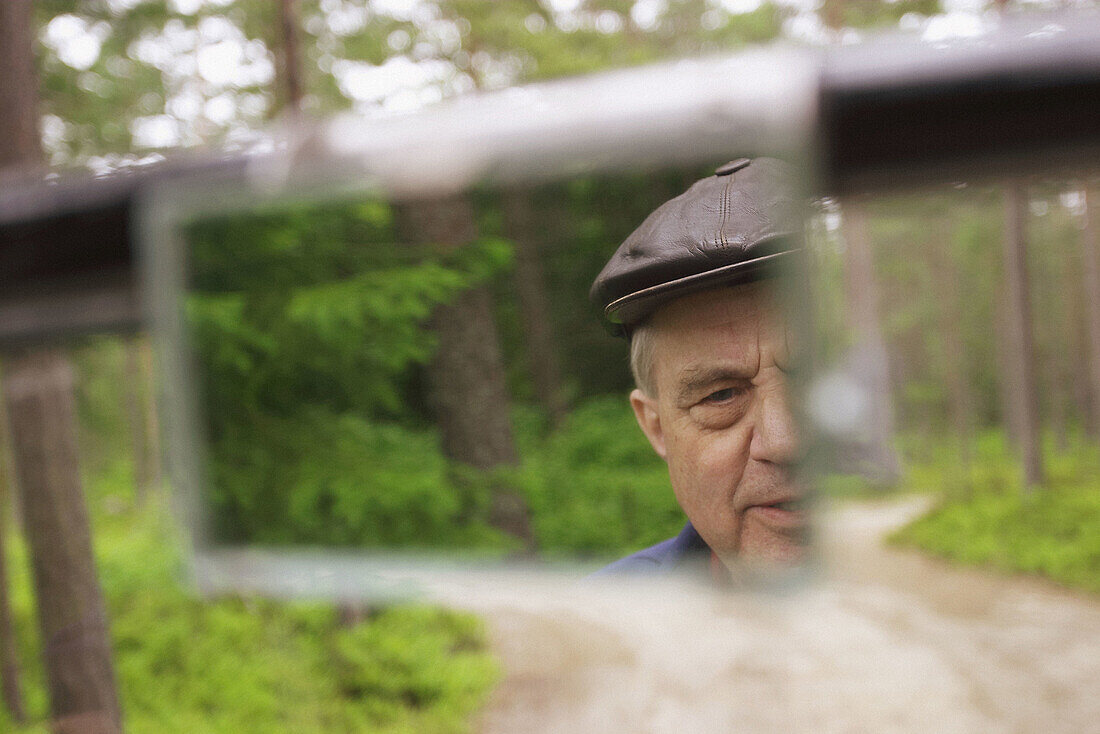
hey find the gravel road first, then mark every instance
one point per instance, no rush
(881, 641)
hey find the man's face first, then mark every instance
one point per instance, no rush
(722, 420)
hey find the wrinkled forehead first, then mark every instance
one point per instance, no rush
(736, 327)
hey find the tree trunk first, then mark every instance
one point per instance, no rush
(466, 375)
(1007, 377)
(534, 305)
(20, 146)
(951, 319)
(1090, 272)
(1050, 381)
(10, 669)
(871, 363)
(290, 57)
(1077, 339)
(1074, 348)
(1023, 389)
(38, 390)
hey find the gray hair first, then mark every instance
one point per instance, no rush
(642, 345)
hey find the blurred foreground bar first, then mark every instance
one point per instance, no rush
(1020, 99)
(69, 250)
(66, 264)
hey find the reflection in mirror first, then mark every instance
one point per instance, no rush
(425, 375)
(430, 376)
(958, 343)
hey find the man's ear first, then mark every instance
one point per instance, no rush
(645, 411)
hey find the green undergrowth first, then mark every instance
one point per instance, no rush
(985, 518)
(239, 665)
(594, 485)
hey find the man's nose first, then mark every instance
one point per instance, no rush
(776, 436)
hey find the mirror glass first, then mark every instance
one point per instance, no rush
(428, 376)
(424, 375)
(956, 333)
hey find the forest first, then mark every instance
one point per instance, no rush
(342, 403)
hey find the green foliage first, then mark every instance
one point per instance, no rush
(307, 360)
(246, 665)
(579, 223)
(308, 323)
(986, 519)
(146, 71)
(876, 14)
(418, 659)
(318, 305)
(1054, 533)
(100, 403)
(92, 111)
(595, 487)
(983, 517)
(338, 479)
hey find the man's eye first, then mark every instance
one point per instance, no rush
(720, 396)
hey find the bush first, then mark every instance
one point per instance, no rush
(244, 665)
(986, 519)
(594, 485)
(596, 488)
(329, 479)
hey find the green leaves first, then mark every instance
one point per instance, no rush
(309, 325)
(596, 488)
(415, 658)
(317, 305)
(1054, 532)
(251, 666)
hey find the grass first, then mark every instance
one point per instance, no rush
(985, 518)
(1054, 533)
(239, 665)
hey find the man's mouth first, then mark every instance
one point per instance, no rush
(781, 516)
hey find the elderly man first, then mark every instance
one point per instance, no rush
(693, 289)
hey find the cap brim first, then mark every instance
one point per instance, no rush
(631, 309)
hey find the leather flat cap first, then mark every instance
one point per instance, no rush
(730, 228)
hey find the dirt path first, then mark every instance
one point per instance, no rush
(885, 641)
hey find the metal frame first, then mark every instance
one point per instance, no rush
(892, 113)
